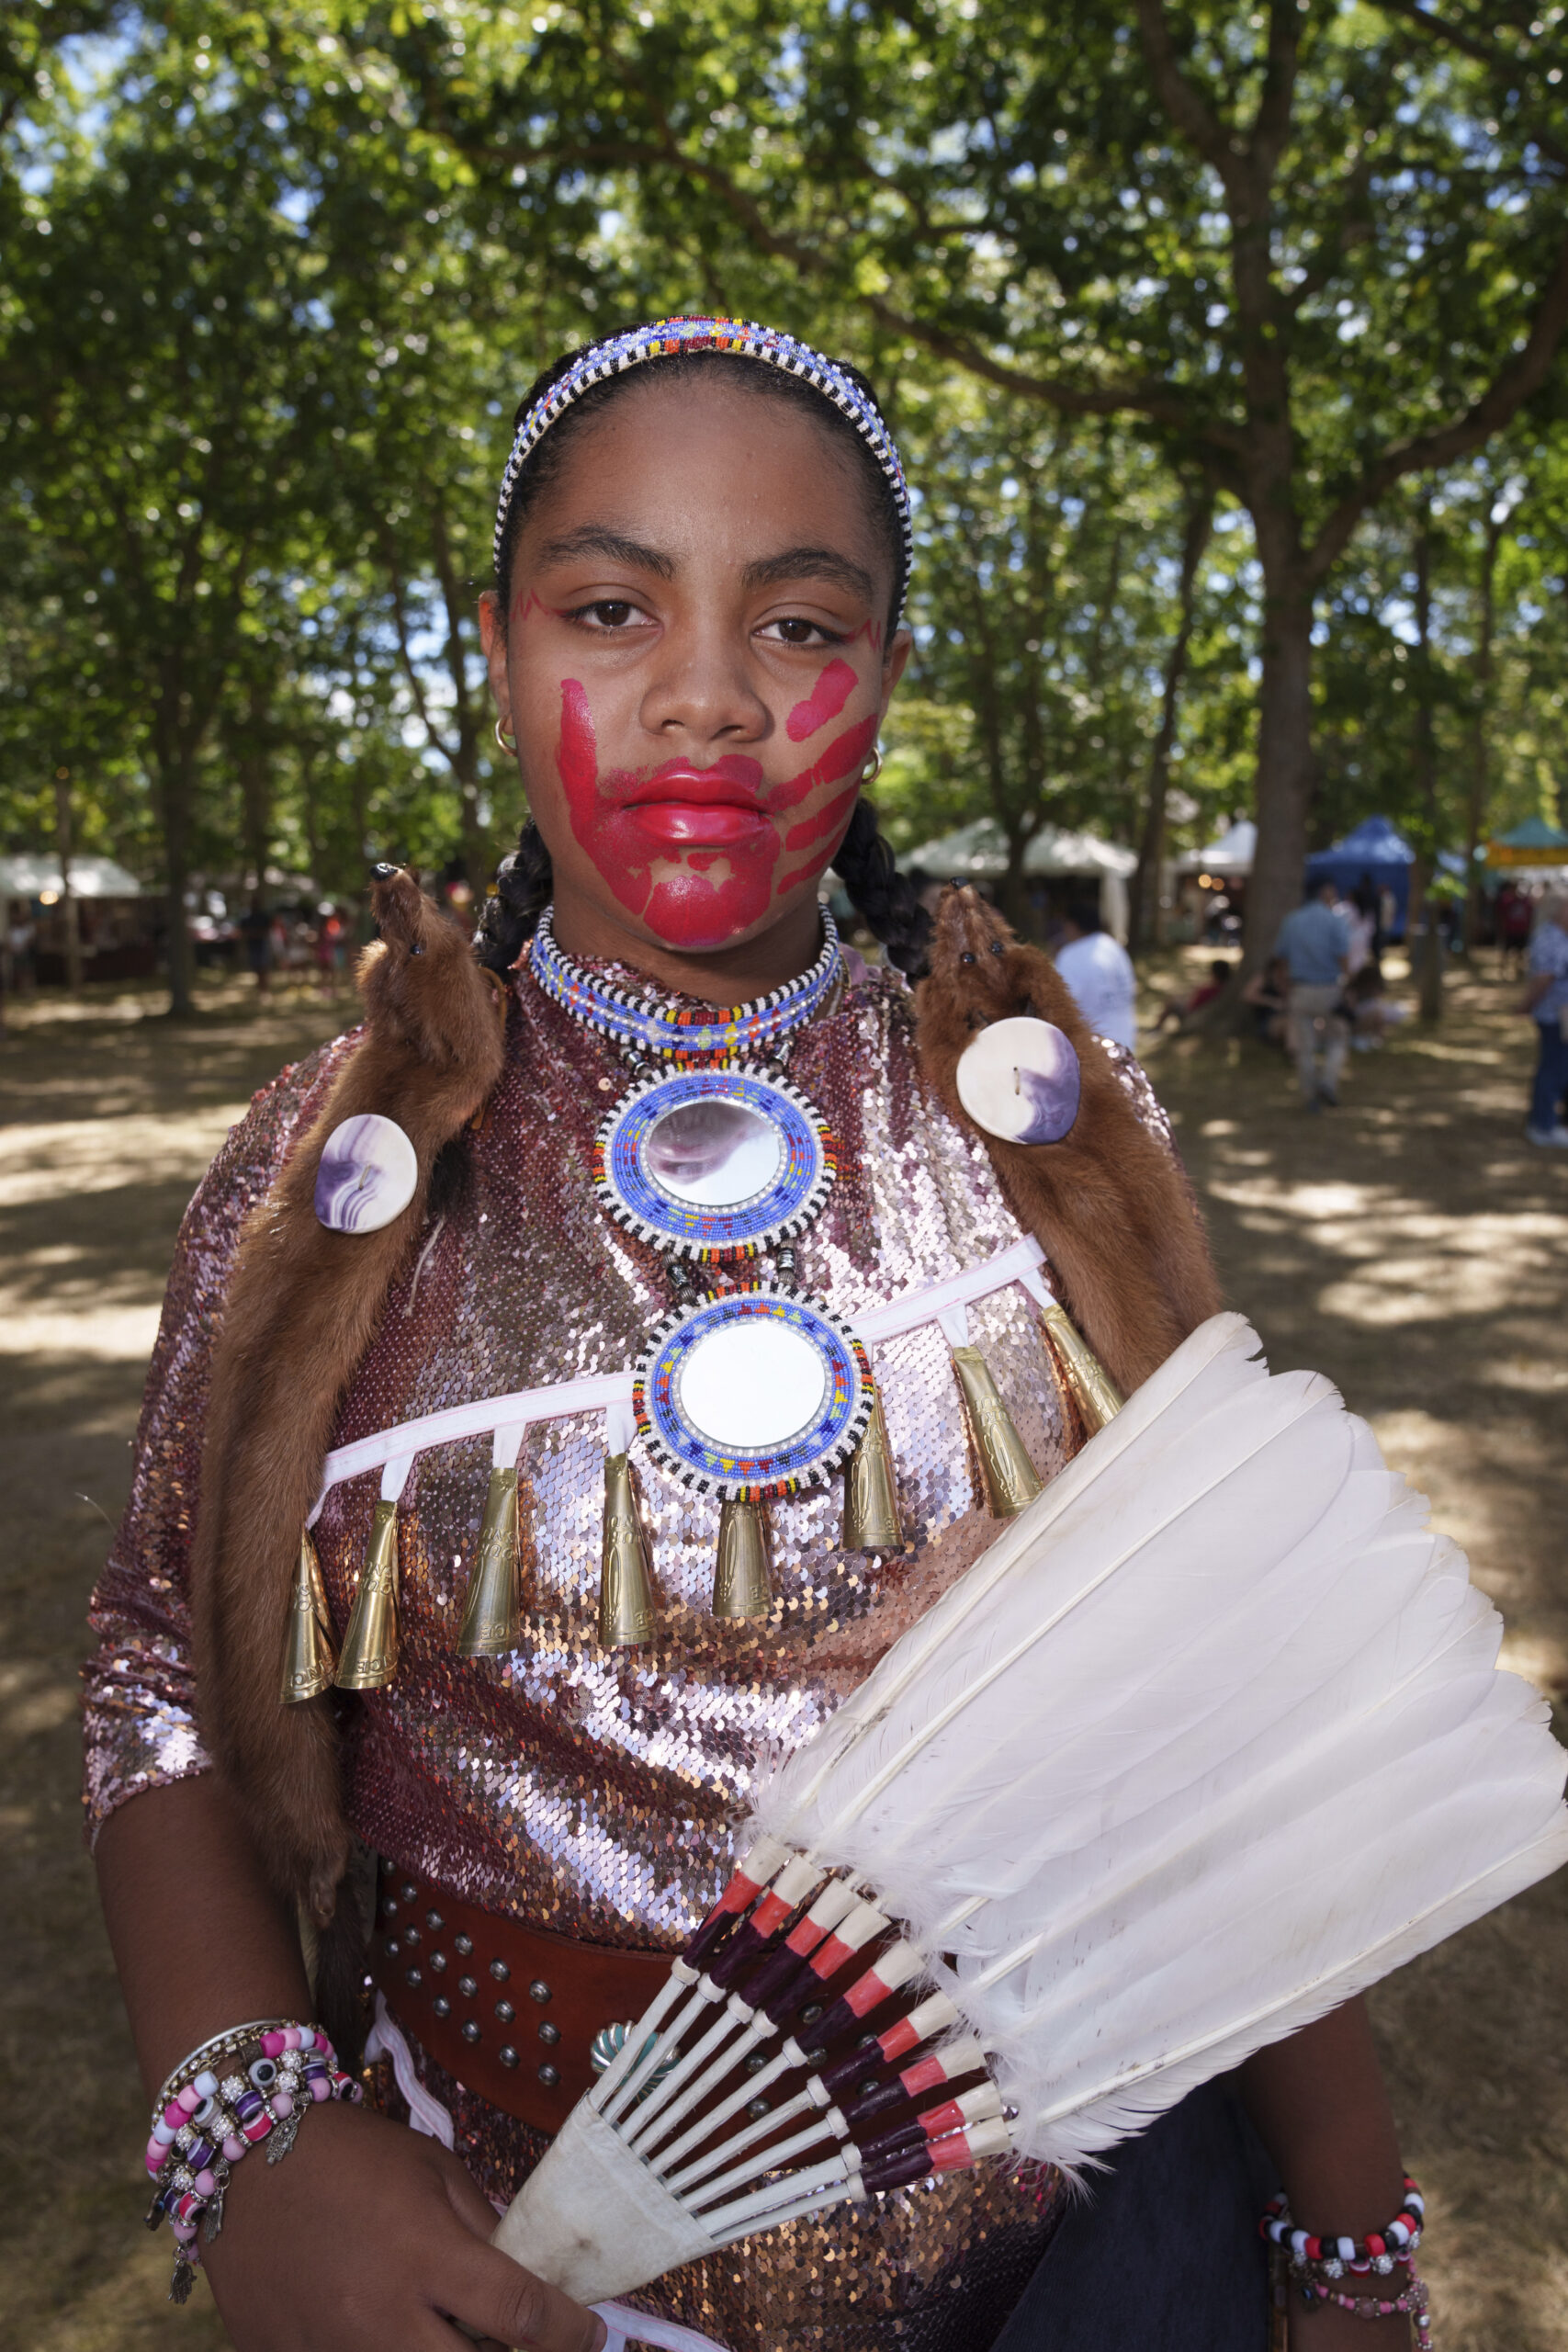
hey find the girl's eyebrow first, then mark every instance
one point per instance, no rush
(804, 563)
(596, 538)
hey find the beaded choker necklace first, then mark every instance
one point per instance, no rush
(682, 1031)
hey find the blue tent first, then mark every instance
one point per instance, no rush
(1375, 851)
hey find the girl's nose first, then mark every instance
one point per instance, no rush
(702, 690)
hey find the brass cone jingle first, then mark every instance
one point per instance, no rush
(1094, 1392)
(369, 1657)
(625, 1581)
(1010, 1479)
(492, 1619)
(740, 1586)
(310, 1661)
(871, 1497)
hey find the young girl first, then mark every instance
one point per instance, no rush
(403, 1307)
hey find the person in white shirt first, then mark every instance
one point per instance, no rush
(1100, 974)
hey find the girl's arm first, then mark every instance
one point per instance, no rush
(1320, 2107)
(367, 2235)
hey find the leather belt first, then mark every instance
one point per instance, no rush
(512, 2012)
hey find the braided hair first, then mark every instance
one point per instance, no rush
(881, 897)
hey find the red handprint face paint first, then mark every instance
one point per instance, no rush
(695, 853)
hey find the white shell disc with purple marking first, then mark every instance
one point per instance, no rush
(1019, 1079)
(368, 1174)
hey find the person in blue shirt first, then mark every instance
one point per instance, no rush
(1546, 1002)
(1315, 945)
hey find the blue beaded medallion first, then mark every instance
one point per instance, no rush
(713, 1163)
(765, 1356)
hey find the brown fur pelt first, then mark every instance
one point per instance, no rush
(303, 1307)
(1108, 1204)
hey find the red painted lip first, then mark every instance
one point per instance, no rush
(733, 781)
(697, 824)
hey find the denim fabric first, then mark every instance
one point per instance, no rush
(1551, 1076)
(1165, 2256)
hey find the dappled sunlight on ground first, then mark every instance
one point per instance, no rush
(1411, 1246)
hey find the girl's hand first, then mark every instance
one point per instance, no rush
(370, 2238)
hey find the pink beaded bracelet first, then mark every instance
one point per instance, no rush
(203, 2125)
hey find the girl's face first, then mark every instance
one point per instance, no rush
(694, 662)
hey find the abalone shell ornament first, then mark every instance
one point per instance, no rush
(754, 1395)
(1019, 1079)
(367, 1175)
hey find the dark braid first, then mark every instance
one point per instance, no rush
(523, 885)
(885, 900)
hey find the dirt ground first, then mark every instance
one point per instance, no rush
(1410, 1244)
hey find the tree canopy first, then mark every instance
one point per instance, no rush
(1222, 341)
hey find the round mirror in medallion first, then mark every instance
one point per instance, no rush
(752, 1394)
(713, 1153)
(713, 1163)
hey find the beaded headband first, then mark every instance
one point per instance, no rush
(666, 338)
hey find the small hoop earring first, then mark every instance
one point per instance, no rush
(508, 742)
(872, 769)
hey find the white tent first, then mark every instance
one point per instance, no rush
(91, 877)
(978, 852)
(1232, 853)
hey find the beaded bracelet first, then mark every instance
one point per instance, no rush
(1412, 2301)
(1331, 2257)
(202, 2125)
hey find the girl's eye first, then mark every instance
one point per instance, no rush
(793, 630)
(607, 612)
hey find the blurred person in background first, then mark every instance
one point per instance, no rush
(1514, 914)
(1546, 1002)
(1099, 972)
(1268, 994)
(1315, 945)
(1369, 1011)
(1360, 911)
(1177, 1009)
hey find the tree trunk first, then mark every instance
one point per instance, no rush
(1143, 914)
(175, 795)
(70, 920)
(1286, 768)
(255, 764)
(1424, 938)
(1481, 721)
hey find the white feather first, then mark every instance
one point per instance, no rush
(1209, 1740)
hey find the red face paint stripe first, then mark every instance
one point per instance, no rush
(827, 700)
(578, 756)
(847, 751)
(813, 829)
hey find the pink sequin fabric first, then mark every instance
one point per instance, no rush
(596, 1792)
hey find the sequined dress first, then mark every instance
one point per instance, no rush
(588, 1792)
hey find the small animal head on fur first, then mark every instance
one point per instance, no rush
(979, 961)
(416, 981)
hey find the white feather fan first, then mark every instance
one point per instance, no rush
(1210, 1738)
